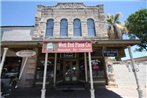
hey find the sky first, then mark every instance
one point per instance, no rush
(22, 13)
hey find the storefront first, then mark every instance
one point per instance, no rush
(69, 66)
(71, 63)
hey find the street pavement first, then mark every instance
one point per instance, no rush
(100, 92)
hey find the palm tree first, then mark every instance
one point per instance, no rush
(115, 27)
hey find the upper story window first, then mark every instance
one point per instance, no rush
(91, 28)
(77, 27)
(64, 27)
(49, 28)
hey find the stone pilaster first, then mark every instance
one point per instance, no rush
(70, 28)
(84, 28)
(56, 32)
(110, 72)
(97, 29)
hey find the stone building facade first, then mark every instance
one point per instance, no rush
(59, 23)
(70, 11)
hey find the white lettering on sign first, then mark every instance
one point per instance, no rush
(110, 53)
(68, 47)
(62, 45)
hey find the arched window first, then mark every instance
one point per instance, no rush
(77, 27)
(91, 27)
(49, 28)
(64, 27)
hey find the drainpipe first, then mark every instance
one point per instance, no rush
(91, 77)
(1, 67)
(55, 67)
(135, 74)
(85, 59)
(44, 77)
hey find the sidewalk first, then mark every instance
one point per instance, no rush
(127, 91)
(100, 92)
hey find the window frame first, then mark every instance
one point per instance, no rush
(64, 28)
(49, 27)
(91, 28)
(78, 28)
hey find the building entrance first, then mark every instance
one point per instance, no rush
(70, 70)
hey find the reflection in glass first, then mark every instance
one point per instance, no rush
(91, 27)
(64, 27)
(49, 28)
(77, 27)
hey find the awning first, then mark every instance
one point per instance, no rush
(38, 43)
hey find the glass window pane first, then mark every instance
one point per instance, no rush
(49, 32)
(77, 32)
(63, 32)
(64, 27)
(49, 28)
(77, 27)
(91, 27)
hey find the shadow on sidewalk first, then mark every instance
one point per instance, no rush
(35, 92)
(105, 93)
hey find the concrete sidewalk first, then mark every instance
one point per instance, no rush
(127, 91)
(100, 92)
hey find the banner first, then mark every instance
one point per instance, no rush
(66, 47)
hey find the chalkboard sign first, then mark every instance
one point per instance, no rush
(110, 53)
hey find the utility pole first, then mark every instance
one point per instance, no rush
(43, 91)
(91, 77)
(135, 74)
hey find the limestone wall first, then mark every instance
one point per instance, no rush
(69, 11)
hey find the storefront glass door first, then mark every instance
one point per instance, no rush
(70, 70)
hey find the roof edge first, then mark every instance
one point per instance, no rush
(17, 26)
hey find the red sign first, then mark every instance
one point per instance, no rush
(66, 47)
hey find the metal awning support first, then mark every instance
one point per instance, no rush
(44, 77)
(22, 69)
(85, 59)
(1, 67)
(91, 77)
(135, 74)
(55, 67)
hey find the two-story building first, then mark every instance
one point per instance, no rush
(68, 32)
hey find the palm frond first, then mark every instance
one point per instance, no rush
(109, 19)
(116, 17)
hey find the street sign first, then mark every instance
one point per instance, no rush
(110, 53)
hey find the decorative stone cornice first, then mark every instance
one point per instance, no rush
(70, 5)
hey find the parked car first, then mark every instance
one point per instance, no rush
(8, 82)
